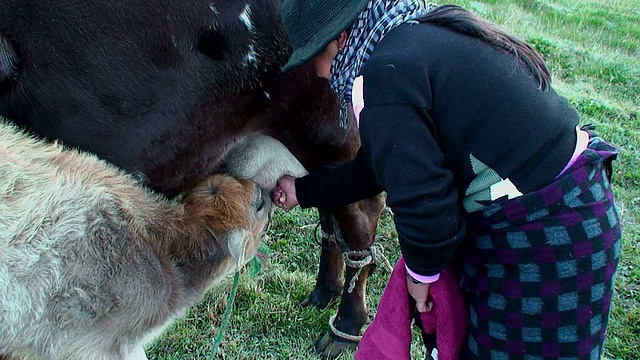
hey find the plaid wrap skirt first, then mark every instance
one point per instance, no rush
(539, 269)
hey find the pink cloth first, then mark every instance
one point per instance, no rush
(389, 336)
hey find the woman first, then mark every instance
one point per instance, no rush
(480, 160)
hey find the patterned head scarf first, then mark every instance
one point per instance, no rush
(371, 25)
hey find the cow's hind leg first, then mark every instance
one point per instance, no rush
(351, 232)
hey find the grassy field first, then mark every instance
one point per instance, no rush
(593, 50)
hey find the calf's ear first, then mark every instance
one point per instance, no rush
(8, 59)
(242, 246)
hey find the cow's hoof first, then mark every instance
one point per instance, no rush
(320, 299)
(330, 346)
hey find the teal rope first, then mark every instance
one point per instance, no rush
(225, 317)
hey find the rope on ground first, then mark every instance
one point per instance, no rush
(225, 317)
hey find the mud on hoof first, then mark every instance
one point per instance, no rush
(330, 346)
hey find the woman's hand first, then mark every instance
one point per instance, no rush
(420, 293)
(284, 195)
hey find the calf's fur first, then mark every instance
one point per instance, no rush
(93, 265)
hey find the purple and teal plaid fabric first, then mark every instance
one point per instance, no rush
(539, 269)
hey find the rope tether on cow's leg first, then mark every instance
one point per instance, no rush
(373, 255)
(367, 259)
(377, 251)
(340, 334)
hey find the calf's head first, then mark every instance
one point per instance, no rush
(233, 210)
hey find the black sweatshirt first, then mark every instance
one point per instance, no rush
(435, 99)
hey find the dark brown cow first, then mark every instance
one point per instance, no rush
(164, 88)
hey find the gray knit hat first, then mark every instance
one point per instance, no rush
(312, 24)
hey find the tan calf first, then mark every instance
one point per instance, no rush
(93, 265)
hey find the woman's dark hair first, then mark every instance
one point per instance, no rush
(465, 22)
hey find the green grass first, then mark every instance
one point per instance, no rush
(593, 51)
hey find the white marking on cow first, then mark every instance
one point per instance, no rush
(216, 14)
(251, 56)
(245, 17)
(214, 9)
